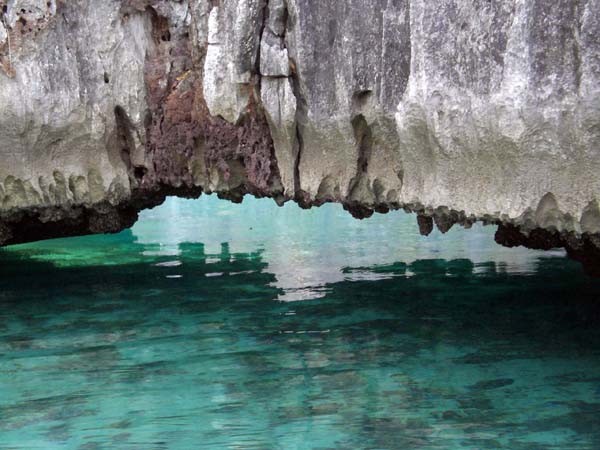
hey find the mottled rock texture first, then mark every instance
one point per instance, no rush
(458, 110)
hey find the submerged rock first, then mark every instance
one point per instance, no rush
(487, 385)
(457, 110)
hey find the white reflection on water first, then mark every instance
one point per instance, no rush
(306, 250)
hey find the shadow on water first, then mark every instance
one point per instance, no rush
(169, 351)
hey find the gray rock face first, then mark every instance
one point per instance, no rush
(459, 110)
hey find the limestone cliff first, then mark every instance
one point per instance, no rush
(458, 110)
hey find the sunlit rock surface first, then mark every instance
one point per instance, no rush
(457, 110)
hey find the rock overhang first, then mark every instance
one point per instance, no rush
(459, 112)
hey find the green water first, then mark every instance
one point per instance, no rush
(211, 325)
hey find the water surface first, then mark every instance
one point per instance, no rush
(212, 325)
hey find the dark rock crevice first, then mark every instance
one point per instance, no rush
(361, 198)
(299, 195)
(181, 122)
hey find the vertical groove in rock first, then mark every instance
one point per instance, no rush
(361, 199)
(300, 196)
(577, 44)
(264, 17)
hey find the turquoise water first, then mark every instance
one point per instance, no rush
(212, 325)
